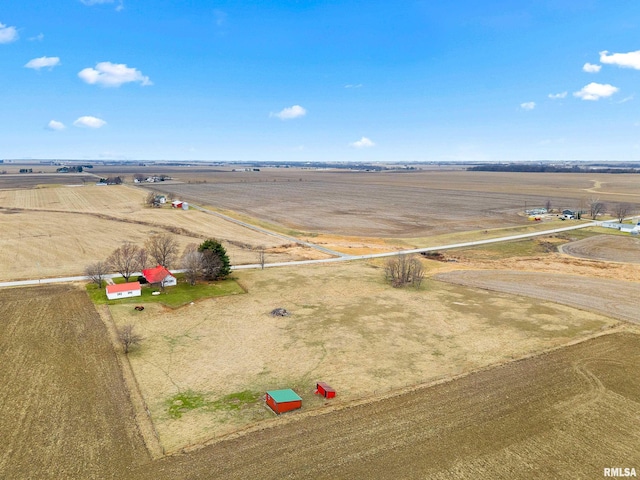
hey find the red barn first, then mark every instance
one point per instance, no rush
(282, 401)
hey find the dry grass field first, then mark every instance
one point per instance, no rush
(347, 328)
(64, 408)
(57, 231)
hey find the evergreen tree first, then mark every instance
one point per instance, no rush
(215, 261)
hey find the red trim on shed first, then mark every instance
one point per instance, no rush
(325, 390)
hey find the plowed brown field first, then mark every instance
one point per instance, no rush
(64, 410)
(397, 204)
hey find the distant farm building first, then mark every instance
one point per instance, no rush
(177, 203)
(159, 276)
(123, 290)
(281, 401)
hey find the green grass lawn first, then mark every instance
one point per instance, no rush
(177, 296)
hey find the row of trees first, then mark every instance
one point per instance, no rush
(208, 261)
(594, 207)
(618, 210)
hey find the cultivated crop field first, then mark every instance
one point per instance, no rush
(347, 327)
(396, 204)
(38, 180)
(64, 408)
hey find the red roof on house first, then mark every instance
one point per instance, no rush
(123, 287)
(156, 275)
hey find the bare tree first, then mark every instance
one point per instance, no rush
(548, 205)
(163, 249)
(96, 272)
(404, 270)
(596, 207)
(151, 199)
(622, 210)
(128, 338)
(192, 263)
(127, 260)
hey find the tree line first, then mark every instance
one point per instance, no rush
(207, 261)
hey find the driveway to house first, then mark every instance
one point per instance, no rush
(340, 258)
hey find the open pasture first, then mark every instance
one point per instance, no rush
(58, 231)
(564, 415)
(396, 204)
(65, 411)
(347, 327)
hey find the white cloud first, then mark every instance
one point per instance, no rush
(557, 96)
(220, 17)
(358, 85)
(596, 91)
(37, 38)
(42, 62)
(290, 113)
(119, 7)
(110, 74)
(8, 34)
(528, 105)
(626, 60)
(89, 122)
(364, 142)
(55, 125)
(591, 68)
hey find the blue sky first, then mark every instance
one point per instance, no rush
(320, 80)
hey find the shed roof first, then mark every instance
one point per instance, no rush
(286, 395)
(123, 287)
